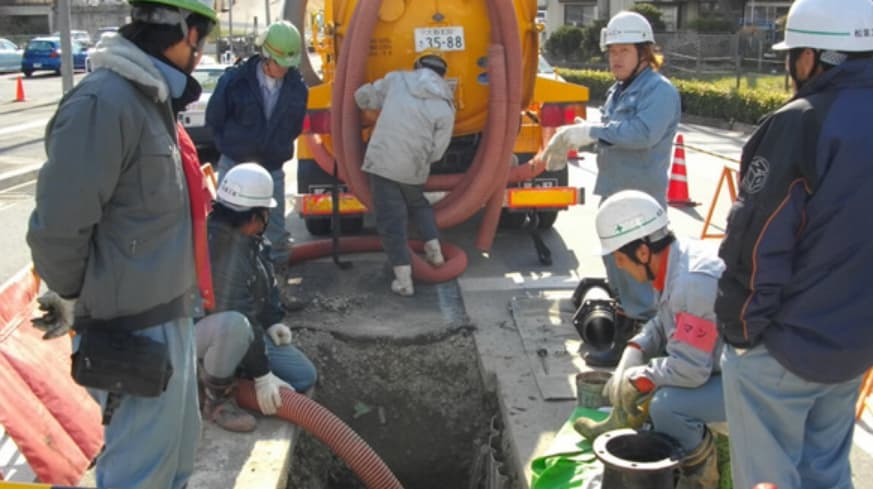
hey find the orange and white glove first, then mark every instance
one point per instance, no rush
(280, 334)
(631, 357)
(634, 385)
(267, 391)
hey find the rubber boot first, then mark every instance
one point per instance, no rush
(699, 469)
(617, 419)
(433, 254)
(220, 407)
(625, 329)
(402, 284)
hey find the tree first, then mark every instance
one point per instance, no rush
(652, 13)
(565, 42)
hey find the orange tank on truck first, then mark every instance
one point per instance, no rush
(505, 112)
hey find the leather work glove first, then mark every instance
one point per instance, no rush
(631, 357)
(57, 318)
(280, 334)
(267, 392)
(634, 386)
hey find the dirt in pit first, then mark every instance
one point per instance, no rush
(421, 406)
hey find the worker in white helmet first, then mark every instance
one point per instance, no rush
(634, 139)
(674, 359)
(794, 302)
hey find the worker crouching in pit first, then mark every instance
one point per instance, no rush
(670, 369)
(247, 334)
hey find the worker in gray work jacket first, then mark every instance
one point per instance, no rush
(673, 362)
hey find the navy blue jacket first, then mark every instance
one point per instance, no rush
(799, 250)
(235, 114)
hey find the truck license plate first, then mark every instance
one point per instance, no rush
(441, 38)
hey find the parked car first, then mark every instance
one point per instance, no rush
(10, 56)
(546, 70)
(81, 37)
(44, 53)
(194, 115)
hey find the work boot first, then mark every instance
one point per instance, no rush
(402, 283)
(219, 406)
(625, 329)
(618, 419)
(433, 254)
(699, 469)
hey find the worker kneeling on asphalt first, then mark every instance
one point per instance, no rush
(672, 364)
(246, 336)
(413, 131)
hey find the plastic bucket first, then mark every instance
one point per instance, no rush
(589, 388)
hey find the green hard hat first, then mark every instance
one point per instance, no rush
(205, 8)
(281, 43)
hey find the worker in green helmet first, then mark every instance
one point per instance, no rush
(256, 113)
(113, 237)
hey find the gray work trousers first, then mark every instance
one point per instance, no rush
(394, 202)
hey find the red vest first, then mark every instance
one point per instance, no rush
(201, 193)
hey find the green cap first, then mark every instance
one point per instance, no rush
(281, 43)
(205, 8)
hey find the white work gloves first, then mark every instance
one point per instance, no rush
(631, 357)
(280, 334)
(565, 139)
(267, 392)
(57, 318)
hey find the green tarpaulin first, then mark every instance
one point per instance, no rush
(570, 462)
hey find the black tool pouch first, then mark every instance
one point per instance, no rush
(119, 361)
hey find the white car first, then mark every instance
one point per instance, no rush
(546, 70)
(10, 56)
(194, 115)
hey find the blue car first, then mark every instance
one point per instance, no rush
(44, 53)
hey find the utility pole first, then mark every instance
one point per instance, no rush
(64, 20)
(230, 25)
(267, 18)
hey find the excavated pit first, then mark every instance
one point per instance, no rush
(421, 404)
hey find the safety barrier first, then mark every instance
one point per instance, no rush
(52, 420)
(729, 177)
(35, 485)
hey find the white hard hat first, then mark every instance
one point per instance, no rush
(246, 186)
(626, 28)
(627, 216)
(846, 25)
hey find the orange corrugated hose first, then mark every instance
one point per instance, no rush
(481, 186)
(330, 430)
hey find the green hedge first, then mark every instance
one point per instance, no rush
(698, 98)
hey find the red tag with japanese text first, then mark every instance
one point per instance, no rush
(695, 331)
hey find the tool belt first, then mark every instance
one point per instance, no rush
(119, 361)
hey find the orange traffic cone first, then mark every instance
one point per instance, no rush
(19, 90)
(677, 192)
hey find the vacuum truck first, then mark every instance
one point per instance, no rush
(505, 112)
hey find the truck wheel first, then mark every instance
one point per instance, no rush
(352, 225)
(511, 220)
(318, 226)
(547, 219)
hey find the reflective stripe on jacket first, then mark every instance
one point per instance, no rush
(798, 248)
